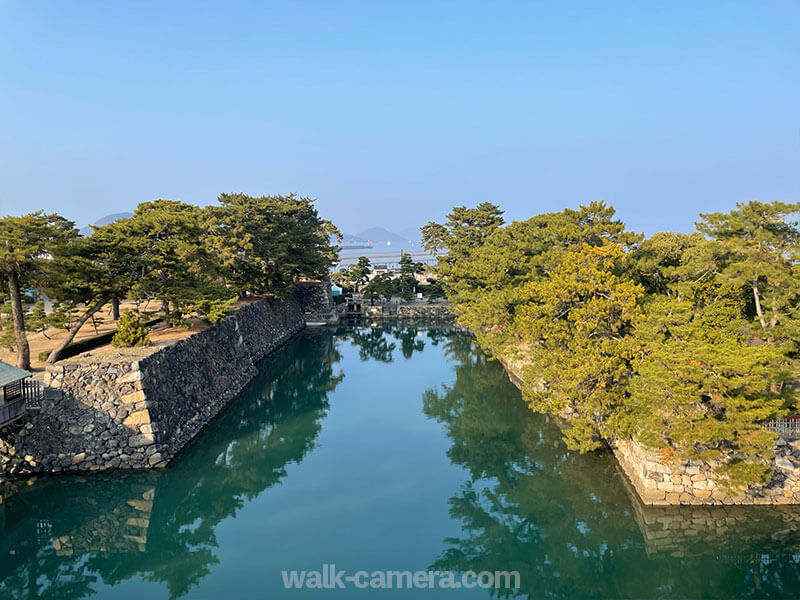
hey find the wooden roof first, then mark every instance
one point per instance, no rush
(10, 374)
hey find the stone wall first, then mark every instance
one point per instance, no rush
(139, 412)
(724, 530)
(433, 311)
(317, 300)
(660, 482)
(664, 483)
(410, 311)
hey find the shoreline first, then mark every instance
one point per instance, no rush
(691, 483)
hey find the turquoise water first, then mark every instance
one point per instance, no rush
(381, 449)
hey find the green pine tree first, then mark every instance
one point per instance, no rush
(130, 332)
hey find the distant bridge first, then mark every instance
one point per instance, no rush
(390, 259)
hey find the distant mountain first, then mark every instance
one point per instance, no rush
(352, 239)
(380, 236)
(105, 221)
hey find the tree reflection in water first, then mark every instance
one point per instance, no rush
(378, 342)
(567, 522)
(273, 423)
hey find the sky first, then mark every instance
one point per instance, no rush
(391, 113)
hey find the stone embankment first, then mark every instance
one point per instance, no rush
(317, 301)
(136, 411)
(661, 482)
(411, 311)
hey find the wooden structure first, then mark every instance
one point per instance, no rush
(17, 392)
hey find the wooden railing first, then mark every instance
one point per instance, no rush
(787, 428)
(33, 392)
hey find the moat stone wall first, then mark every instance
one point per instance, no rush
(134, 413)
(317, 300)
(664, 483)
(660, 482)
(410, 311)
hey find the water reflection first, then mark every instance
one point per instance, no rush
(61, 535)
(568, 523)
(379, 341)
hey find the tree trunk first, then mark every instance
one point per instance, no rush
(773, 320)
(56, 353)
(23, 350)
(115, 309)
(759, 312)
(165, 309)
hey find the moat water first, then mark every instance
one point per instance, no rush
(381, 449)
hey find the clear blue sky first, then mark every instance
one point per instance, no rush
(391, 113)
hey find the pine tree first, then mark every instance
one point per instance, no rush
(266, 244)
(408, 272)
(37, 320)
(381, 285)
(8, 338)
(358, 274)
(761, 247)
(130, 332)
(26, 241)
(579, 322)
(700, 389)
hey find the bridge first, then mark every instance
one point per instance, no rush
(390, 259)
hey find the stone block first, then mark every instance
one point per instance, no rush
(139, 417)
(138, 522)
(148, 428)
(133, 397)
(131, 377)
(142, 439)
(141, 505)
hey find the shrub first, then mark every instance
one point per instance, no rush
(130, 332)
(43, 355)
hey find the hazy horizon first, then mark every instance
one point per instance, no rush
(392, 114)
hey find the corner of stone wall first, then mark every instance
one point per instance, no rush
(662, 483)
